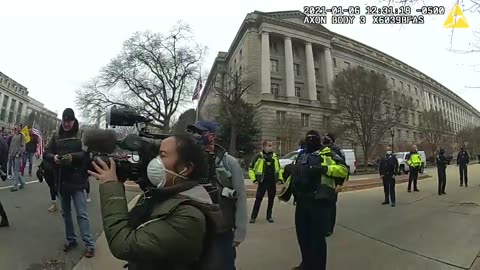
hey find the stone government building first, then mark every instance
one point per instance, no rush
(16, 105)
(293, 65)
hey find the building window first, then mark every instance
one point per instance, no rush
(273, 46)
(407, 133)
(240, 53)
(296, 69)
(336, 76)
(414, 136)
(305, 120)
(234, 62)
(275, 89)
(319, 95)
(347, 64)
(240, 70)
(295, 51)
(413, 118)
(274, 65)
(280, 143)
(12, 111)
(334, 62)
(326, 122)
(416, 91)
(393, 81)
(281, 117)
(372, 71)
(401, 85)
(19, 111)
(409, 88)
(418, 103)
(298, 91)
(360, 67)
(317, 73)
(3, 114)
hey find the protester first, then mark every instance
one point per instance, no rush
(64, 153)
(169, 227)
(30, 150)
(17, 148)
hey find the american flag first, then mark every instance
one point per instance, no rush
(38, 134)
(198, 88)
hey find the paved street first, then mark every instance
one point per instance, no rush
(35, 237)
(424, 231)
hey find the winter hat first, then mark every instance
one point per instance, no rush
(68, 115)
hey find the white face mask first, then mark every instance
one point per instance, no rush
(157, 174)
(389, 152)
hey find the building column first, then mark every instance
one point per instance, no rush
(311, 80)
(290, 78)
(9, 104)
(266, 65)
(328, 65)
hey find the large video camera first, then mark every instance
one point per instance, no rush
(143, 147)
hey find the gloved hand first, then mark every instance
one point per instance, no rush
(66, 160)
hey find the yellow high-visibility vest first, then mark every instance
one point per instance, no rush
(256, 173)
(415, 160)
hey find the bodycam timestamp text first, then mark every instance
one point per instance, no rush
(369, 14)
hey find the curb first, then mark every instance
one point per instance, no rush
(351, 185)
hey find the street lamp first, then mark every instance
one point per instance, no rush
(392, 133)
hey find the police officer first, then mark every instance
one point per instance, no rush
(328, 140)
(441, 169)
(387, 169)
(265, 170)
(462, 161)
(414, 162)
(313, 178)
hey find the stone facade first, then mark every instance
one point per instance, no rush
(293, 65)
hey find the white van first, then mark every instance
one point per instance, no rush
(350, 160)
(402, 158)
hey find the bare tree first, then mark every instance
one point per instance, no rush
(469, 137)
(435, 128)
(153, 73)
(364, 104)
(231, 88)
(290, 133)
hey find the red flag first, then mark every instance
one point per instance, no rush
(198, 88)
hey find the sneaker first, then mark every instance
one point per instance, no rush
(393, 204)
(384, 203)
(30, 174)
(21, 186)
(416, 190)
(14, 189)
(9, 177)
(89, 253)
(69, 246)
(252, 220)
(88, 199)
(52, 208)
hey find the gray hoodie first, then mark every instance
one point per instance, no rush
(17, 146)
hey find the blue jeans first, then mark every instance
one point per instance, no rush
(17, 177)
(80, 203)
(226, 251)
(28, 157)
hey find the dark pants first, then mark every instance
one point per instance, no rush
(333, 215)
(389, 188)
(442, 179)
(3, 215)
(88, 187)
(227, 253)
(270, 187)
(311, 224)
(463, 174)
(51, 185)
(412, 177)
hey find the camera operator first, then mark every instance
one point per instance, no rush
(232, 196)
(170, 225)
(70, 165)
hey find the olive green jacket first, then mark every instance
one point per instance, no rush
(173, 237)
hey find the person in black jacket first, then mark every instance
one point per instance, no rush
(30, 150)
(462, 161)
(388, 168)
(71, 165)
(441, 169)
(3, 169)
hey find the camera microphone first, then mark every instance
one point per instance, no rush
(99, 140)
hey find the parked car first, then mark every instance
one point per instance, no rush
(402, 158)
(348, 153)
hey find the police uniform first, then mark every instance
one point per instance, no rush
(462, 161)
(388, 168)
(265, 169)
(441, 169)
(414, 162)
(313, 179)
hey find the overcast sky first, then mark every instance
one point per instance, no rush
(53, 46)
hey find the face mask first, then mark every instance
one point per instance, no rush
(389, 152)
(157, 174)
(326, 141)
(268, 149)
